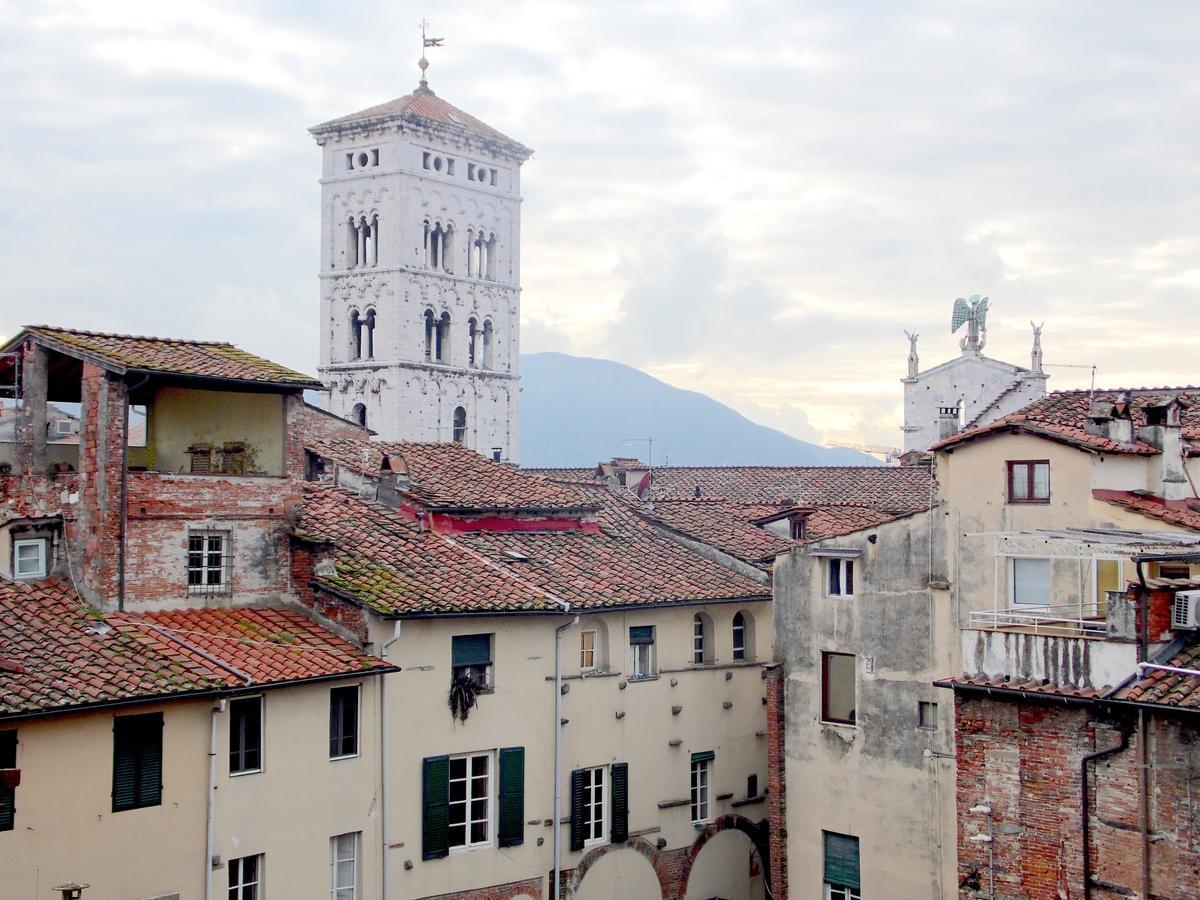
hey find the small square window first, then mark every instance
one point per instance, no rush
(641, 650)
(471, 657)
(208, 562)
(587, 649)
(839, 577)
(1029, 481)
(29, 558)
(927, 715)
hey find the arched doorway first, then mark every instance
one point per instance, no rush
(725, 861)
(630, 871)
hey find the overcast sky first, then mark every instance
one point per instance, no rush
(750, 199)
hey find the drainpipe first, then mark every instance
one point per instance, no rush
(558, 750)
(1085, 818)
(123, 526)
(212, 796)
(383, 766)
(1143, 736)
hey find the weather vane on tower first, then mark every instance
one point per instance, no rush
(426, 42)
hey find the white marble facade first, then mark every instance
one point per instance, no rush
(420, 274)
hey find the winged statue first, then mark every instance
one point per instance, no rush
(973, 314)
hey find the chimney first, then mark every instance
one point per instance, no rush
(947, 421)
(1119, 420)
(1164, 430)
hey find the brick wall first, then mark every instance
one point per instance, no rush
(1023, 755)
(776, 786)
(531, 887)
(100, 462)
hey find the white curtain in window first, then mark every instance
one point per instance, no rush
(1031, 582)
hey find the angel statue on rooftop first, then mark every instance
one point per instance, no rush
(973, 314)
(913, 361)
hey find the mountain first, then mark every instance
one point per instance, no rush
(576, 411)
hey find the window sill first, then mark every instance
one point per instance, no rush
(749, 801)
(834, 724)
(347, 756)
(471, 848)
(638, 679)
(1045, 502)
(245, 772)
(735, 664)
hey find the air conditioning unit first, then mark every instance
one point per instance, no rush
(1186, 613)
(63, 427)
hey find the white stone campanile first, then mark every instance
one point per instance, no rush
(421, 273)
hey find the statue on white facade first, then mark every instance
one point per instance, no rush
(1035, 357)
(913, 362)
(973, 314)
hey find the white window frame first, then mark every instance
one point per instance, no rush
(337, 855)
(224, 570)
(646, 650)
(841, 892)
(841, 565)
(584, 650)
(42, 545)
(357, 719)
(697, 640)
(260, 701)
(701, 791)
(595, 828)
(237, 891)
(1012, 581)
(486, 795)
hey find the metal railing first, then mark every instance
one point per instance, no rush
(1087, 619)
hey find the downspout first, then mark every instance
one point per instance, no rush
(123, 526)
(1143, 736)
(558, 750)
(1085, 819)
(383, 766)
(212, 796)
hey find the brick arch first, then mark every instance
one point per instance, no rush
(647, 850)
(715, 827)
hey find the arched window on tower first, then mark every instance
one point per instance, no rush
(359, 414)
(472, 339)
(430, 329)
(355, 335)
(478, 256)
(441, 341)
(374, 240)
(434, 245)
(448, 249)
(369, 323)
(488, 342)
(472, 252)
(427, 240)
(460, 425)
(351, 243)
(489, 271)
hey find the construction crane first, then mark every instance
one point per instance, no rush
(890, 455)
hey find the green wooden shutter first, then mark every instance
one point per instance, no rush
(124, 791)
(137, 761)
(841, 860)
(471, 650)
(511, 829)
(577, 809)
(704, 756)
(8, 796)
(619, 817)
(149, 789)
(641, 634)
(435, 793)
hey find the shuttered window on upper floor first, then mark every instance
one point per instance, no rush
(137, 761)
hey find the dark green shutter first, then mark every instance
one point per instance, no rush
(703, 756)
(841, 860)
(619, 775)
(435, 793)
(471, 650)
(641, 634)
(511, 830)
(8, 796)
(150, 774)
(137, 761)
(577, 809)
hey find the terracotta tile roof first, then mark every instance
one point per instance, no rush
(450, 476)
(271, 646)
(65, 656)
(571, 474)
(1012, 388)
(835, 521)
(999, 683)
(390, 565)
(425, 104)
(1168, 688)
(1063, 416)
(1186, 515)
(724, 524)
(894, 489)
(197, 359)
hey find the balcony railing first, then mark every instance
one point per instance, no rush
(1087, 619)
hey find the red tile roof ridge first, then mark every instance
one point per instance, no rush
(134, 337)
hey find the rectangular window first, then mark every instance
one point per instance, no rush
(927, 715)
(245, 735)
(470, 814)
(593, 805)
(841, 867)
(8, 795)
(137, 761)
(1031, 582)
(1029, 481)
(739, 636)
(208, 562)
(245, 878)
(29, 558)
(838, 688)
(701, 785)
(641, 647)
(343, 866)
(587, 650)
(697, 640)
(841, 577)
(751, 786)
(343, 722)
(471, 657)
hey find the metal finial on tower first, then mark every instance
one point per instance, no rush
(423, 63)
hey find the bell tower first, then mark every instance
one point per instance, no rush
(421, 272)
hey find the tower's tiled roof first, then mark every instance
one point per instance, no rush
(423, 103)
(167, 356)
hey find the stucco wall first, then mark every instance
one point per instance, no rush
(872, 779)
(180, 417)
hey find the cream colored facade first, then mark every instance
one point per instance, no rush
(611, 718)
(65, 829)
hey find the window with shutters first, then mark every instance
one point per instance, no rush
(838, 700)
(471, 657)
(457, 794)
(1029, 481)
(592, 806)
(343, 866)
(470, 812)
(245, 735)
(839, 577)
(599, 805)
(702, 785)
(208, 562)
(137, 761)
(618, 777)
(641, 651)
(245, 878)
(343, 722)
(841, 867)
(8, 795)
